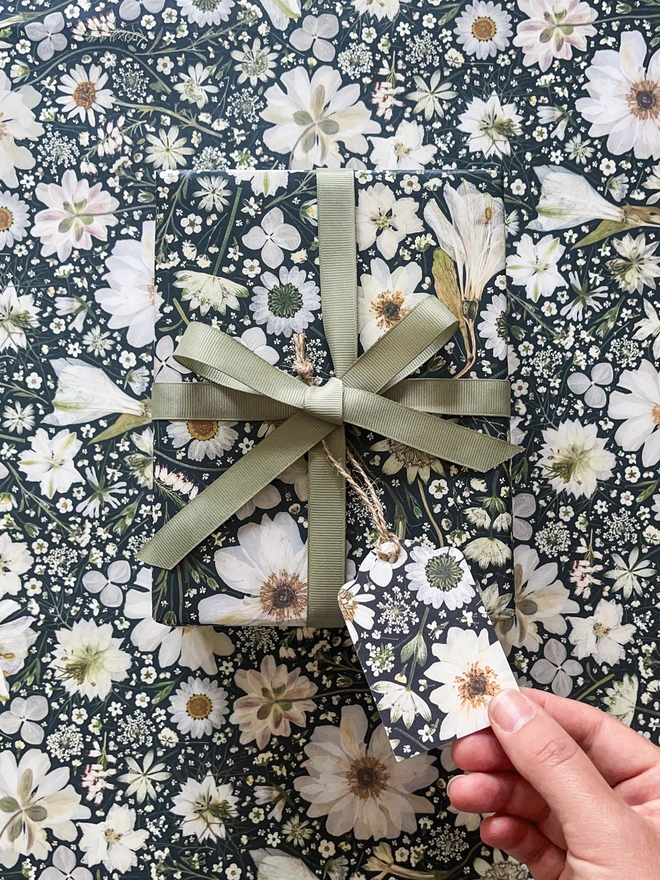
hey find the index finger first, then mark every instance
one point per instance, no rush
(618, 752)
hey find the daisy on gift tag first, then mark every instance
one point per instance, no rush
(428, 649)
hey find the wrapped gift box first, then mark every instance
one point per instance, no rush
(239, 251)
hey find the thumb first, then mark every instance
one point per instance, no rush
(554, 764)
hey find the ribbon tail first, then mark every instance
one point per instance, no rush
(428, 433)
(212, 507)
(326, 565)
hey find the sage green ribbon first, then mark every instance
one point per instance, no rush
(371, 392)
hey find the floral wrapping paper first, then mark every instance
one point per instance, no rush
(250, 267)
(117, 729)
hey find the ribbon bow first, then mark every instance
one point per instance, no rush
(371, 392)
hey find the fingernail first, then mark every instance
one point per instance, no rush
(510, 710)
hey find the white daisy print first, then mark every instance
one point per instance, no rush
(384, 220)
(285, 302)
(574, 458)
(471, 670)
(208, 438)
(14, 219)
(359, 785)
(212, 13)
(384, 297)
(493, 327)
(198, 707)
(84, 93)
(440, 577)
(269, 569)
(401, 701)
(483, 29)
(640, 412)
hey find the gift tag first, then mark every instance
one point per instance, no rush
(426, 644)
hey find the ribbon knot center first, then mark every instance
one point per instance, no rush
(326, 401)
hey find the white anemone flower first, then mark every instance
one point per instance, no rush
(385, 297)
(113, 841)
(193, 647)
(471, 671)
(624, 98)
(269, 569)
(85, 393)
(360, 786)
(405, 150)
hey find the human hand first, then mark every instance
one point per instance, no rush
(575, 793)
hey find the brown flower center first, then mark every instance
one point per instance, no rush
(84, 95)
(389, 307)
(484, 28)
(644, 99)
(367, 777)
(655, 414)
(477, 685)
(202, 429)
(284, 596)
(6, 219)
(199, 706)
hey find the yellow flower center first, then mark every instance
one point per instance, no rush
(199, 706)
(6, 219)
(483, 28)
(202, 429)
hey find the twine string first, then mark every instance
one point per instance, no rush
(367, 492)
